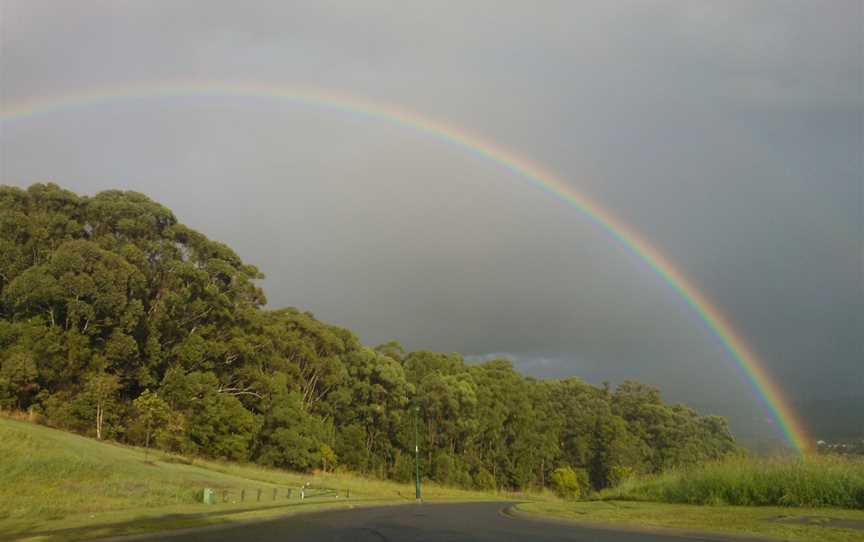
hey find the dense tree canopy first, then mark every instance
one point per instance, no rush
(118, 321)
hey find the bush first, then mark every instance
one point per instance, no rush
(443, 468)
(570, 483)
(328, 457)
(619, 474)
(484, 480)
(403, 468)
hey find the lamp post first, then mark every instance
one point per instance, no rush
(416, 457)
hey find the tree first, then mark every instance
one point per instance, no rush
(18, 379)
(328, 457)
(152, 410)
(112, 310)
(617, 450)
(393, 350)
(101, 389)
(218, 424)
(291, 437)
(374, 395)
(351, 447)
(565, 481)
(172, 436)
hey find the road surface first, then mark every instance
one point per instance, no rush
(462, 522)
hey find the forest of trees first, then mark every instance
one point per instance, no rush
(119, 322)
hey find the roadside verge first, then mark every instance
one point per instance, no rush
(720, 523)
(156, 524)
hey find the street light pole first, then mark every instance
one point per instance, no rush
(416, 458)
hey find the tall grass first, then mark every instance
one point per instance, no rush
(820, 481)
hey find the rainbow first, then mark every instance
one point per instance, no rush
(747, 362)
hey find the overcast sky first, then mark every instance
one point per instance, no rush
(729, 134)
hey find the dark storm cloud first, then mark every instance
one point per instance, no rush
(729, 134)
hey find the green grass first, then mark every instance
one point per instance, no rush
(745, 496)
(819, 481)
(60, 486)
(65, 486)
(737, 520)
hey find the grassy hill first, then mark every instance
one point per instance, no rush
(56, 485)
(60, 486)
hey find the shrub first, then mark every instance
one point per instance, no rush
(484, 480)
(403, 468)
(619, 474)
(328, 457)
(570, 483)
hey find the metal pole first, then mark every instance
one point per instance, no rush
(416, 457)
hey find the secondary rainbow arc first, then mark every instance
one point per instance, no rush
(750, 366)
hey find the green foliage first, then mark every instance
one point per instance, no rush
(484, 480)
(570, 483)
(100, 391)
(449, 470)
(619, 474)
(291, 437)
(812, 482)
(351, 447)
(403, 468)
(152, 411)
(118, 321)
(328, 457)
(172, 435)
(18, 379)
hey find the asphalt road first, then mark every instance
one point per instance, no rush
(463, 522)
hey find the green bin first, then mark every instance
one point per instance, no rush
(208, 496)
